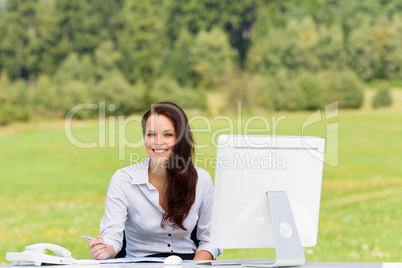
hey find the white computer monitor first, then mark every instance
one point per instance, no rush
(267, 194)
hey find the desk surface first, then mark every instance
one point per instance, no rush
(191, 265)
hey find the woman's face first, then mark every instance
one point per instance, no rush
(159, 138)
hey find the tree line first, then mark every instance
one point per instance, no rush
(274, 54)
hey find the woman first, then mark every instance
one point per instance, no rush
(158, 202)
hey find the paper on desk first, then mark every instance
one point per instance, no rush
(120, 260)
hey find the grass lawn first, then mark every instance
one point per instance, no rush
(52, 191)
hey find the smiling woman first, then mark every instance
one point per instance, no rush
(159, 202)
(159, 138)
(170, 146)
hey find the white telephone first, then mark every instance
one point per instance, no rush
(33, 254)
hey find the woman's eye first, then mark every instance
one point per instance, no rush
(150, 134)
(169, 135)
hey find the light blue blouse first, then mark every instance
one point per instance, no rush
(132, 204)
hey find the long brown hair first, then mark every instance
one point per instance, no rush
(181, 174)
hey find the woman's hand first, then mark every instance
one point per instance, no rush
(100, 251)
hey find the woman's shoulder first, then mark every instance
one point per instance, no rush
(133, 173)
(203, 176)
(136, 167)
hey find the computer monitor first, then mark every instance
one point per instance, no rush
(267, 194)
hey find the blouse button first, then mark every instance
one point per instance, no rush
(169, 234)
(168, 245)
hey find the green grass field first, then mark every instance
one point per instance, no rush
(52, 191)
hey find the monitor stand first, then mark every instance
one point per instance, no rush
(288, 247)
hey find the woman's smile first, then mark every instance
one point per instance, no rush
(160, 151)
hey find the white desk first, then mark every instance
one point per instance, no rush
(191, 265)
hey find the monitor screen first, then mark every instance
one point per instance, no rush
(247, 167)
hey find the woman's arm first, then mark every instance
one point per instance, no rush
(113, 222)
(203, 255)
(205, 250)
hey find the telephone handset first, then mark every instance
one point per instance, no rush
(33, 254)
(58, 250)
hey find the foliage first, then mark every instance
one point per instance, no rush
(300, 46)
(329, 47)
(23, 45)
(55, 46)
(180, 65)
(235, 18)
(115, 90)
(305, 90)
(382, 98)
(313, 91)
(344, 87)
(75, 94)
(284, 93)
(75, 67)
(141, 40)
(211, 56)
(349, 90)
(105, 58)
(167, 89)
(46, 97)
(393, 47)
(15, 101)
(243, 87)
(361, 53)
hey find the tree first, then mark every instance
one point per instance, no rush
(238, 18)
(353, 14)
(15, 100)
(360, 51)
(105, 58)
(284, 93)
(393, 49)
(115, 89)
(392, 8)
(292, 48)
(343, 86)
(382, 98)
(167, 89)
(180, 65)
(76, 68)
(21, 46)
(302, 38)
(330, 49)
(80, 26)
(235, 18)
(211, 56)
(84, 24)
(313, 91)
(240, 86)
(265, 55)
(142, 41)
(3, 33)
(189, 14)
